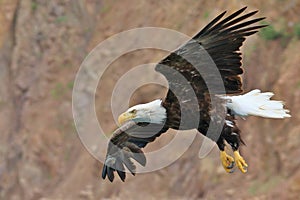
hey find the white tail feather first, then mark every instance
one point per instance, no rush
(257, 104)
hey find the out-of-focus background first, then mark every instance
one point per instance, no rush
(42, 44)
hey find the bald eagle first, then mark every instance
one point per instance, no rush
(141, 124)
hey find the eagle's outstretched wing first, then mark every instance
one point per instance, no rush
(126, 143)
(221, 40)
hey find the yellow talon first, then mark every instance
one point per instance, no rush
(240, 162)
(227, 161)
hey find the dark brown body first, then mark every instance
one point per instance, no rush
(206, 116)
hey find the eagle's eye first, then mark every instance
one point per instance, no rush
(133, 111)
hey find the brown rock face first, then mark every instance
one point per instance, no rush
(42, 44)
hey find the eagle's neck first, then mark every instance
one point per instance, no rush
(157, 112)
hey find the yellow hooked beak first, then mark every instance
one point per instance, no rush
(124, 117)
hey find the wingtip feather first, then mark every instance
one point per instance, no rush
(122, 175)
(110, 174)
(104, 171)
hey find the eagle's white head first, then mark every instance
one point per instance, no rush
(152, 112)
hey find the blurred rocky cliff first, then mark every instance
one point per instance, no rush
(42, 44)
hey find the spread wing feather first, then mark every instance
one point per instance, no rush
(221, 39)
(125, 144)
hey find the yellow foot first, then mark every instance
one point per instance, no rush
(227, 161)
(240, 162)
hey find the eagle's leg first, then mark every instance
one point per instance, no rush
(226, 160)
(240, 162)
(234, 140)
